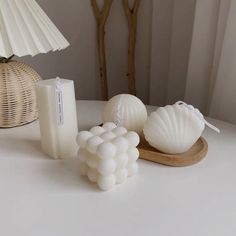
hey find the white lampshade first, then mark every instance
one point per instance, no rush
(25, 29)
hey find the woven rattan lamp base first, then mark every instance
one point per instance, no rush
(17, 94)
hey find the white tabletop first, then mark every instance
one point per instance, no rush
(44, 197)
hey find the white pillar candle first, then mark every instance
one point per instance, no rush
(57, 117)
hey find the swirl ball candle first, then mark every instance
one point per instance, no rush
(126, 110)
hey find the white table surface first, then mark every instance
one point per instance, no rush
(44, 197)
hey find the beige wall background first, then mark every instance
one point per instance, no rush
(79, 62)
(185, 51)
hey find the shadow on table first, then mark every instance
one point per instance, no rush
(21, 148)
(60, 174)
(64, 174)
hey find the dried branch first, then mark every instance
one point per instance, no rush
(131, 14)
(101, 17)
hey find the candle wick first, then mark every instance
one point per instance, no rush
(58, 84)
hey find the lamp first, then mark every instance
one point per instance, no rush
(24, 30)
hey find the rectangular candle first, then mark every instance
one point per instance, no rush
(57, 117)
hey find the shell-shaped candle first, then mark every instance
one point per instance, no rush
(126, 110)
(175, 128)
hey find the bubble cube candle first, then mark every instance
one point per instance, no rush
(108, 154)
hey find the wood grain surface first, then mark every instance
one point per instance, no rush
(194, 155)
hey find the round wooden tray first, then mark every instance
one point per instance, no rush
(195, 154)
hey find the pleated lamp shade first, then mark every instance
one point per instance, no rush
(26, 30)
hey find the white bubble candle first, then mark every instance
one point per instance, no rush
(108, 154)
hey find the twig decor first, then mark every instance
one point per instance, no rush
(101, 17)
(131, 14)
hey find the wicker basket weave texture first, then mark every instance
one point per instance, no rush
(18, 104)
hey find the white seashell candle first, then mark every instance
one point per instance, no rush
(108, 154)
(126, 110)
(175, 128)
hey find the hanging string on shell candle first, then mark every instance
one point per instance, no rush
(199, 115)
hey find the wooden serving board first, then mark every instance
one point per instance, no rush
(192, 156)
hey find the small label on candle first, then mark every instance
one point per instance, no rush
(59, 102)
